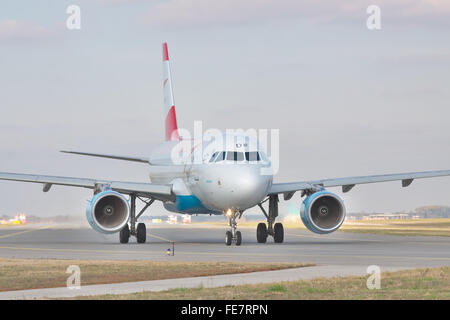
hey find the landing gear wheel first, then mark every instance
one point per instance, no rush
(238, 238)
(228, 238)
(141, 233)
(278, 230)
(261, 233)
(124, 234)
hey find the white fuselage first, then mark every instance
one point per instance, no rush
(210, 177)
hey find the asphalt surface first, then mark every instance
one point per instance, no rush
(207, 243)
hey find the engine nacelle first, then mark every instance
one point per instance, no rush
(322, 212)
(108, 212)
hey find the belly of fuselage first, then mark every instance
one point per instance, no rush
(186, 201)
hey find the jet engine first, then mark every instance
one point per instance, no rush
(322, 212)
(108, 212)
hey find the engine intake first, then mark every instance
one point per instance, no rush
(108, 212)
(322, 212)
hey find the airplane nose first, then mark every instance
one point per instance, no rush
(241, 188)
(245, 184)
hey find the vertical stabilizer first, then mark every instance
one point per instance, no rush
(169, 103)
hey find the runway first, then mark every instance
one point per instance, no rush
(206, 243)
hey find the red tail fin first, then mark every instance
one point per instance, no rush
(169, 103)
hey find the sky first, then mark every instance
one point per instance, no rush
(347, 100)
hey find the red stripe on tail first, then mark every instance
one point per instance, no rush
(165, 52)
(171, 125)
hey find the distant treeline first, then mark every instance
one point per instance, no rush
(425, 212)
(428, 212)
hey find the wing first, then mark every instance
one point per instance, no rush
(109, 156)
(157, 191)
(348, 183)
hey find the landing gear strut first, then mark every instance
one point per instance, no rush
(273, 229)
(140, 232)
(233, 234)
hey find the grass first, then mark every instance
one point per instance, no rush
(409, 227)
(418, 284)
(420, 227)
(20, 274)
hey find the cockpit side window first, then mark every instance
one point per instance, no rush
(213, 156)
(221, 156)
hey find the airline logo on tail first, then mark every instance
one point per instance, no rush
(169, 103)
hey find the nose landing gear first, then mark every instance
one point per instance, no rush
(233, 234)
(277, 230)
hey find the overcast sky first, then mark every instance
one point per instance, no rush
(347, 100)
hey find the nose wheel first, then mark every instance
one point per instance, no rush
(233, 235)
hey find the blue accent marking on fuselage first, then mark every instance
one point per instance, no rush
(189, 203)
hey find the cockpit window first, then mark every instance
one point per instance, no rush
(235, 156)
(252, 156)
(221, 156)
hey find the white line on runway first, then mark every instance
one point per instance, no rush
(20, 232)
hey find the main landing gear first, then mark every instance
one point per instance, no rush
(233, 234)
(275, 230)
(140, 232)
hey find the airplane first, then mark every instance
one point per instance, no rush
(226, 181)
